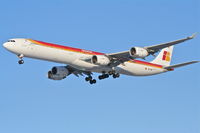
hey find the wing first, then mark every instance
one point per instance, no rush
(78, 72)
(156, 48)
(151, 49)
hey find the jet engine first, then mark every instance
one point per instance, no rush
(100, 60)
(58, 73)
(138, 52)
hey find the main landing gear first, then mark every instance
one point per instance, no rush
(111, 73)
(90, 80)
(21, 61)
(103, 76)
(116, 75)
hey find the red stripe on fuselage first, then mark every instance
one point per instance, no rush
(146, 63)
(65, 48)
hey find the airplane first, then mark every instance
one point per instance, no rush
(82, 62)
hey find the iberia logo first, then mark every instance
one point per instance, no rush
(166, 56)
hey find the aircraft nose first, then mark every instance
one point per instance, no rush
(5, 45)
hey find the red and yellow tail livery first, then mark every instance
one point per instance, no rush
(166, 56)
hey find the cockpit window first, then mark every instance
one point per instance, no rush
(11, 40)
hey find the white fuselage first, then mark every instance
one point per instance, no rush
(33, 49)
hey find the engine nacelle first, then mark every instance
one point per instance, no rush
(138, 52)
(58, 73)
(100, 60)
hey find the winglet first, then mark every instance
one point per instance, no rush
(192, 36)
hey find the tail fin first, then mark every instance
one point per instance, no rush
(164, 57)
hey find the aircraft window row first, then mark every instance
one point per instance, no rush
(11, 40)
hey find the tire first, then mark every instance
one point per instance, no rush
(90, 77)
(100, 77)
(21, 62)
(117, 75)
(106, 75)
(114, 76)
(91, 81)
(87, 79)
(94, 81)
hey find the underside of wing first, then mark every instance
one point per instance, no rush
(120, 57)
(78, 72)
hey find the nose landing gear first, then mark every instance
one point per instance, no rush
(20, 56)
(21, 61)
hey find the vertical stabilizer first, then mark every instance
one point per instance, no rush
(164, 57)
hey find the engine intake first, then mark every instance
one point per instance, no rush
(58, 73)
(138, 52)
(100, 60)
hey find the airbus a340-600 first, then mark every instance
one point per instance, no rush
(84, 62)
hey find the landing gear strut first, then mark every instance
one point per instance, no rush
(21, 61)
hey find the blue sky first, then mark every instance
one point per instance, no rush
(167, 103)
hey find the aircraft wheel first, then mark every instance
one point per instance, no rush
(91, 82)
(87, 79)
(106, 75)
(117, 75)
(21, 61)
(103, 76)
(100, 77)
(94, 81)
(110, 72)
(114, 76)
(90, 77)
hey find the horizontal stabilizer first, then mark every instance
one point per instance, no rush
(180, 65)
